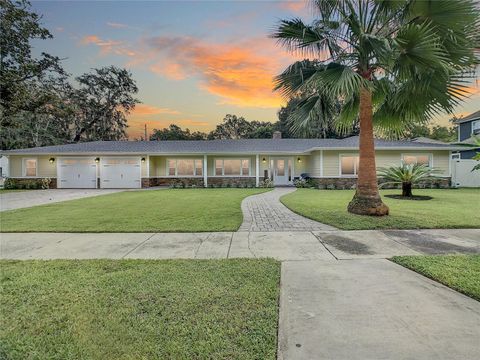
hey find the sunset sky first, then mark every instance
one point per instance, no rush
(194, 61)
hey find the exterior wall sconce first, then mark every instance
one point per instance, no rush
(264, 160)
(97, 160)
(143, 160)
(51, 160)
(299, 160)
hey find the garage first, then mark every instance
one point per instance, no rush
(120, 173)
(77, 173)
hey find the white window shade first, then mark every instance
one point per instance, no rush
(30, 167)
(232, 167)
(185, 167)
(349, 165)
(419, 159)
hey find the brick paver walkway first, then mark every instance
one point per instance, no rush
(265, 212)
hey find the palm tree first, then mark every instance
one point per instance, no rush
(407, 175)
(392, 64)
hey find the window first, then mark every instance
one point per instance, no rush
(185, 167)
(30, 167)
(232, 167)
(476, 127)
(349, 165)
(420, 159)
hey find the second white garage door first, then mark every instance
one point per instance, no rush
(120, 173)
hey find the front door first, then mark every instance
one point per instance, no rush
(281, 171)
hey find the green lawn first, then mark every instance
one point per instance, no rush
(4, 191)
(459, 272)
(139, 309)
(449, 208)
(181, 210)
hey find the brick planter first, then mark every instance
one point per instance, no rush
(198, 182)
(168, 181)
(22, 182)
(351, 183)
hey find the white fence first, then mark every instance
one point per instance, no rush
(462, 174)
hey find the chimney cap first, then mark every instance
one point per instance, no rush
(277, 135)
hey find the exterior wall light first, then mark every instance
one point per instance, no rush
(299, 159)
(264, 160)
(97, 160)
(51, 160)
(143, 160)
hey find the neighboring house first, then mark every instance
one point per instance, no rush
(468, 127)
(135, 164)
(3, 166)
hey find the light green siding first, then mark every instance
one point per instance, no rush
(156, 165)
(44, 167)
(384, 158)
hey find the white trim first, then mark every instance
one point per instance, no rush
(430, 157)
(321, 163)
(148, 165)
(257, 171)
(450, 163)
(205, 171)
(355, 169)
(24, 169)
(471, 126)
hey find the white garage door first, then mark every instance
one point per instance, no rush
(78, 173)
(120, 173)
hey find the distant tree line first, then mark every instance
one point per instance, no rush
(40, 104)
(237, 127)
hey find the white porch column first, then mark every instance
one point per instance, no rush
(257, 171)
(148, 166)
(205, 171)
(321, 163)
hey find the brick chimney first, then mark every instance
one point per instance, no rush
(277, 135)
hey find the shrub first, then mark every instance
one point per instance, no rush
(408, 175)
(42, 183)
(266, 183)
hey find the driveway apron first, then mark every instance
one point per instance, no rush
(29, 198)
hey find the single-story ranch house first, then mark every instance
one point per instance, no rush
(135, 164)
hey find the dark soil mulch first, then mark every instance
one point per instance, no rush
(414, 197)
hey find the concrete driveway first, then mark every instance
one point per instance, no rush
(29, 198)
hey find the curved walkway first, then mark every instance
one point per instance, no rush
(265, 212)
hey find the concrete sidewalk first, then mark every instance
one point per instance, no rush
(283, 246)
(372, 309)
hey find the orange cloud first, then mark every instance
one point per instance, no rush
(108, 46)
(240, 74)
(295, 6)
(145, 110)
(169, 69)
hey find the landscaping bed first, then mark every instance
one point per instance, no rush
(448, 208)
(167, 210)
(139, 309)
(459, 272)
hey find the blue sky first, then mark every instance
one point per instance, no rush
(194, 61)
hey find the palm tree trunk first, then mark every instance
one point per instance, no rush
(407, 189)
(367, 199)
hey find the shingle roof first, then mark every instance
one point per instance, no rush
(473, 116)
(244, 146)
